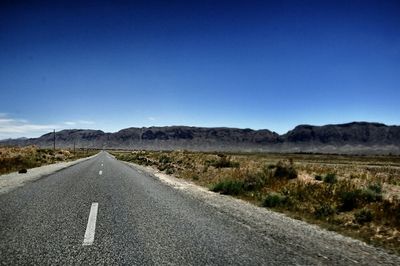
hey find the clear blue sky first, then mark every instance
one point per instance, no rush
(250, 64)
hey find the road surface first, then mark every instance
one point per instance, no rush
(103, 211)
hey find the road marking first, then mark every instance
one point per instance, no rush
(91, 225)
(101, 164)
(100, 172)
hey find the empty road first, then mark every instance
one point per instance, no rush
(103, 211)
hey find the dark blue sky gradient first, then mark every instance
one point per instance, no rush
(257, 64)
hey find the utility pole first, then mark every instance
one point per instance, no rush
(54, 141)
(74, 149)
(54, 145)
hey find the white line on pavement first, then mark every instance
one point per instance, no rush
(101, 164)
(91, 225)
(100, 172)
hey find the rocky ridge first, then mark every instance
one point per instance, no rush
(355, 137)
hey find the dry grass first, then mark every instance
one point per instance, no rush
(17, 158)
(356, 195)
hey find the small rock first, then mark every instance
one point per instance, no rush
(23, 171)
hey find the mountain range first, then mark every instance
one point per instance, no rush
(349, 138)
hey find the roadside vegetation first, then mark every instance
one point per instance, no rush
(355, 195)
(20, 159)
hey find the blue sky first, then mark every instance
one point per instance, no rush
(249, 64)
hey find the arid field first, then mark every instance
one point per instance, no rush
(355, 195)
(18, 158)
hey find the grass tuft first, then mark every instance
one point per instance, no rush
(330, 178)
(285, 170)
(363, 216)
(275, 200)
(324, 210)
(229, 187)
(224, 162)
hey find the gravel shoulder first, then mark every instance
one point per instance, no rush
(11, 181)
(307, 239)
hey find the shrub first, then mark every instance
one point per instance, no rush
(162, 167)
(275, 200)
(164, 159)
(318, 177)
(303, 192)
(169, 171)
(330, 178)
(369, 195)
(351, 197)
(390, 210)
(349, 200)
(324, 210)
(224, 162)
(377, 188)
(363, 216)
(229, 187)
(285, 170)
(254, 181)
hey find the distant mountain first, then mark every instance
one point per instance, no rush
(351, 133)
(356, 137)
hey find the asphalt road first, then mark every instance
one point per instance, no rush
(142, 221)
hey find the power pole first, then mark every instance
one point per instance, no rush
(74, 149)
(54, 145)
(54, 141)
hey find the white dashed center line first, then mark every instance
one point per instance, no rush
(101, 164)
(100, 172)
(91, 225)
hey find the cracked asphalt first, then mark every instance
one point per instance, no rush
(142, 220)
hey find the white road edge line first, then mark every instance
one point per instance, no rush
(100, 172)
(91, 225)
